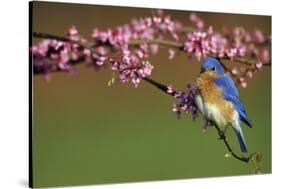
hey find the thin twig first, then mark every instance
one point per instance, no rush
(156, 41)
(160, 86)
(187, 29)
(223, 137)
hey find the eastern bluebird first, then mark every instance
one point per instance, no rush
(218, 99)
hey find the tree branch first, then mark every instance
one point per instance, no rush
(160, 86)
(156, 41)
(64, 39)
(223, 137)
(163, 42)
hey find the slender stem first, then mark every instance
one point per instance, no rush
(72, 62)
(156, 41)
(160, 86)
(187, 29)
(248, 62)
(223, 137)
(50, 36)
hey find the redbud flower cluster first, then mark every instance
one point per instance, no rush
(127, 47)
(186, 102)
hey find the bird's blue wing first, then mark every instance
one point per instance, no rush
(230, 93)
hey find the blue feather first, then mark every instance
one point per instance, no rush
(230, 93)
(241, 139)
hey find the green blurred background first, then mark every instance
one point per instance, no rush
(88, 133)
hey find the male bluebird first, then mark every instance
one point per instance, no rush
(218, 99)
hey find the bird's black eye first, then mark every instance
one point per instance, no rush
(213, 68)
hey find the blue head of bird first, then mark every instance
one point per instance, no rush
(212, 67)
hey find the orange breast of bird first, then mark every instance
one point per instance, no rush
(213, 100)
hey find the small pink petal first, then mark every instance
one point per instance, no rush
(259, 66)
(171, 54)
(170, 89)
(250, 74)
(234, 71)
(244, 84)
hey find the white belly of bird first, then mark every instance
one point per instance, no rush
(214, 113)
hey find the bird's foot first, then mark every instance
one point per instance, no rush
(207, 124)
(222, 133)
(211, 123)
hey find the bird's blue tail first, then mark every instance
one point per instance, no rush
(241, 140)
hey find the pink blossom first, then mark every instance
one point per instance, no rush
(264, 55)
(187, 102)
(241, 79)
(157, 19)
(201, 44)
(250, 74)
(170, 89)
(248, 37)
(175, 108)
(236, 51)
(196, 20)
(259, 65)
(259, 36)
(145, 69)
(72, 34)
(130, 69)
(52, 55)
(101, 36)
(171, 54)
(197, 43)
(100, 60)
(234, 71)
(218, 45)
(101, 50)
(232, 53)
(154, 48)
(242, 82)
